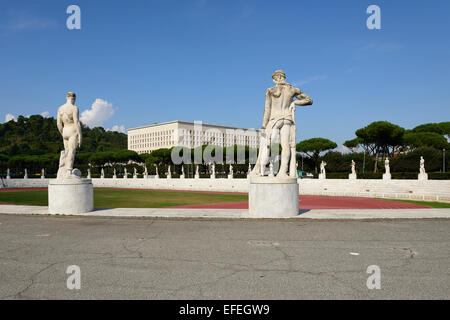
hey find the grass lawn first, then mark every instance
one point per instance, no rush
(111, 198)
(423, 203)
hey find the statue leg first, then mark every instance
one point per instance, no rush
(292, 166)
(286, 151)
(70, 153)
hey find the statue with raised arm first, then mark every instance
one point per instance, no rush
(279, 116)
(70, 129)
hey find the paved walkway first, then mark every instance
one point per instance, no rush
(178, 213)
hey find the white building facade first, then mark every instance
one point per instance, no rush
(188, 134)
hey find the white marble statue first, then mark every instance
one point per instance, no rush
(387, 169)
(8, 174)
(230, 174)
(25, 176)
(145, 172)
(323, 164)
(70, 129)
(213, 173)
(89, 173)
(422, 165)
(197, 173)
(102, 174)
(157, 174)
(279, 116)
(114, 174)
(42, 173)
(353, 165)
(134, 173)
(169, 174)
(271, 173)
(182, 172)
(125, 173)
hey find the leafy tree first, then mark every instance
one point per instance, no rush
(313, 147)
(423, 139)
(380, 138)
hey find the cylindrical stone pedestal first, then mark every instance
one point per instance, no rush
(273, 197)
(70, 196)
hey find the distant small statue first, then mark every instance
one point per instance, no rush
(42, 173)
(89, 173)
(213, 173)
(230, 174)
(25, 176)
(102, 174)
(114, 174)
(323, 164)
(197, 173)
(169, 174)
(182, 172)
(145, 172)
(134, 173)
(387, 169)
(271, 173)
(8, 174)
(353, 165)
(125, 173)
(422, 165)
(157, 174)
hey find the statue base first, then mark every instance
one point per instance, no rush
(422, 176)
(322, 176)
(352, 176)
(273, 197)
(387, 176)
(70, 196)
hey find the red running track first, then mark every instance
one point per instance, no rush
(305, 202)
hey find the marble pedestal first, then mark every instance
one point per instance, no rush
(70, 196)
(322, 176)
(422, 176)
(273, 197)
(352, 176)
(387, 176)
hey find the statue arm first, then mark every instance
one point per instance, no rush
(59, 122)
(77, 123)
(303, 99)
(267, 109)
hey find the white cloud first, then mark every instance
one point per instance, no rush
(100, 111)
(45, 114)
(311, 79)
(120, 128)
(9, 117)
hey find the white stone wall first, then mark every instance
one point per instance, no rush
(429, 190)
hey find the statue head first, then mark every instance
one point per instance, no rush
(71, 97)
(279, 77)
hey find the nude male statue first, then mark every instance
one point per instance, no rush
(70, 129)
(279, 115)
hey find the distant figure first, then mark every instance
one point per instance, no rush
(70, 129)
(386, 166)
(322, 167)
(353, 167)
(422, 165)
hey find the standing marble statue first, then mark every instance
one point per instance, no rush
(182, 172)
(156, 172)
(422, 165)
(230, 174)
(387, 170)
(352, 175)
(279, 116)
(197, 173)
(145, 172)
(114, 174)
(125, 173)
(42, 173)
(102, 174)
(8, 174)
(70, 129)
(25, 175)
(322, 174)
(134, 173)
(422, 174)
(69, 193)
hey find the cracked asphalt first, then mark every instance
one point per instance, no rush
(238, 259)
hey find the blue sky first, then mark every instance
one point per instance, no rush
(161, 60)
